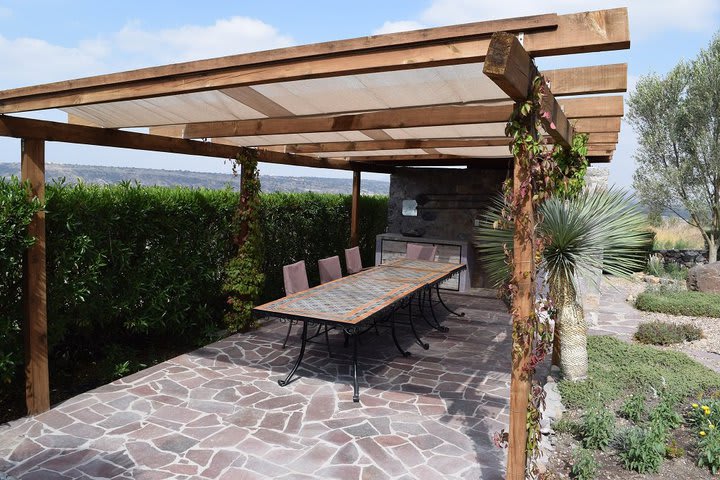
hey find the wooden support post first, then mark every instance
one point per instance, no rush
(523, 275)
(355, 213)
(37, 384)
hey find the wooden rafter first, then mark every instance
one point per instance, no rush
(583, 32)
(587, 80)
(62, 132)
(387, 119)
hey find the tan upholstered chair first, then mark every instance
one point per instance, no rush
(421, 252)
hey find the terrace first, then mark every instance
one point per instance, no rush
(437, 97)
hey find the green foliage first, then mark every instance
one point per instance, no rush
(665, 333)
(597, 427)
(709, 448)
(311, 226)
(617, 369)
(584, 465)
(696, 304)
(244, 277)
(677, 118)
(642, 449)
(633, 408)
(656, 266)
(665, 416)
(15, 215)
(595, 229)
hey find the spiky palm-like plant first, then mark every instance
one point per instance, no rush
(597, 229)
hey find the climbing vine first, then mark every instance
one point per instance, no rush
(244, 275)
(549, 170)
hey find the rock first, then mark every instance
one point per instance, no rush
(631, 299)
(704, 278)
(652, 279)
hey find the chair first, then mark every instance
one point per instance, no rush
(352, 260)
(295, 280)
(329, 269)
(421, 252)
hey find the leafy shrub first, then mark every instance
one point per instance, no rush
(666, 333)
(703, 413)
(655, 266)
(15, 215)
(699, 304)
(664, 415)
(709, 448)
(642, 449)
(673, 450)
(633, 408)
(616, 368)
(597, 428)
(584, 466)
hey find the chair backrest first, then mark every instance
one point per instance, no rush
(329, 269)
(421, 252)
(295, 278)
(352, 260)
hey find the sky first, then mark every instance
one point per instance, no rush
(48, 40)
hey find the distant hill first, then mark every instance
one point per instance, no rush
(168, 178)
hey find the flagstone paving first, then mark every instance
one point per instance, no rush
(218, 412)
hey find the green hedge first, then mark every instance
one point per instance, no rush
(699, 304)
(139, 266)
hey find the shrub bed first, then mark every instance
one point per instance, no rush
(699, 304)
(665, 333)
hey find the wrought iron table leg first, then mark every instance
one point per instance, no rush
(288, 379)
(356, 387)
(439, 327)
(437, 290)
(290, 324)
(394, 337)
(327, 341)
(412, 327)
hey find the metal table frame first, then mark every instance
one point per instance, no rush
(404, 281)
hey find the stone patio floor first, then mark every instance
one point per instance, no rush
(219, 413)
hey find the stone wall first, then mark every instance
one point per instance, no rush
(685, 258)
(448, 203)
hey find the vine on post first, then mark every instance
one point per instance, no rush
(554, 170)
(244, 274)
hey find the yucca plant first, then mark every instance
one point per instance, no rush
(597, 229)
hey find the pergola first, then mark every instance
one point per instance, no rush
(435, 97)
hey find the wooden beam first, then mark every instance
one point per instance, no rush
(584, 32)
(597, 125)
(62, 132)
(390, 118)
(355, 212)
(395, 145)
(588, 107)
(587, 80)
(37, 381)
(512, 69)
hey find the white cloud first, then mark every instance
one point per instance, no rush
(647, 17)
(193, 42)
(399, 26)
(30, 61)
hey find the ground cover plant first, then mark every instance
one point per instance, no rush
(689, 303)
(645, 407)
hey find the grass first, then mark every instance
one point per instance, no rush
(666, 333)
(656, 266)
(673, 232)
(688, 303)
(617, 369)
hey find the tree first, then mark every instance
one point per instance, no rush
(677, 118)
(594, 229)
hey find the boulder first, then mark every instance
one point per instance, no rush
(704, 278)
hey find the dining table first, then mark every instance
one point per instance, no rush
(364, 300)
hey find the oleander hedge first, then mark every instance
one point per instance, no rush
(136, 265)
